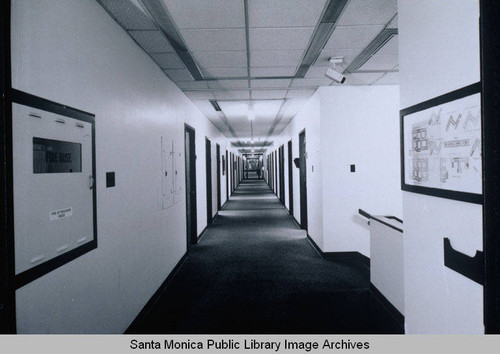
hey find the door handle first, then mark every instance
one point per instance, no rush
(91, 182)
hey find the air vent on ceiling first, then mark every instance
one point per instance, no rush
(215, 105)
(372, 48)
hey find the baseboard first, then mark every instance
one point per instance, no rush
(156, 296)
(398, 316)
(202, 233)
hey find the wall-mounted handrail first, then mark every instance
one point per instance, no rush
(369, 216)
(470, 267)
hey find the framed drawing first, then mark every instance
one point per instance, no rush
(441, 146)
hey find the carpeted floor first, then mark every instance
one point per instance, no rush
(254, 271)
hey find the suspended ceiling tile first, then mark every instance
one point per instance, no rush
(152, 41)
(199, 95)
(192, 85)
(129, 15)
(232, 95)
(178, 74)
(207, 14)
(310, 82)
(234, 108)
(276, 58)
(388, 79)
(380, 62)
(393, 23)
(221, 59)
(168, 60)
(273, 72)
(352, 37)
(227, 84)
(316, 72)
(348, 54)
(224, 72)
(289, 13)
(368, 12)
(280, 38)
(362, 78)
(268, 94)
(300, 93)
(214, 40)
(390, 48)
(270, 83)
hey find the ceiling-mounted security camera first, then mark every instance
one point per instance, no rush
(334, 74)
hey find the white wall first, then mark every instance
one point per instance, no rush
(307, 118)
(360, 126)
(438, 53)
(73, 53)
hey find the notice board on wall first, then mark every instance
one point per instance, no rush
(441, 146)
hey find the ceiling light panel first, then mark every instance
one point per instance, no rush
(289, 13)
(353, 37)
(280, 38)
(225, 72)
(207, 14)
(267, 109)
(268, 94)
(129, 15)
(214, 40)
(273, 72)
(234, 109)
(221, 59)
(227, 84)
(168, 60)
(368, 12)
(275, 58)
(270, 83)
(380, 62)
(152, 41)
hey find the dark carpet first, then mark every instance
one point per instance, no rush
(255, 272)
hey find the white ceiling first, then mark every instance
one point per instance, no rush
(249, 52)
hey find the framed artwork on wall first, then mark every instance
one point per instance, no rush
(441, 146)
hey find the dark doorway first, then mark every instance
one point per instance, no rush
(290, 178)
(275, 159)
(282, 173)
(217, 152)
(191, 213)
(208, 159)
(303, 180)
(231, 172)
(226, 163)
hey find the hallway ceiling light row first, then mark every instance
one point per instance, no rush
(268, 53)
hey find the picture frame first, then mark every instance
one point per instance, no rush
(441, 146)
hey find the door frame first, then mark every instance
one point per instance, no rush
(208, 179)
(193, 213)
(303, 180)
(282, 173)
(490, 71)
(7, 264)
(290, 178)
(218, 157)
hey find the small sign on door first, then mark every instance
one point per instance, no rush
(60, 214)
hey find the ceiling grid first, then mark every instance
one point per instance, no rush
(265, 55)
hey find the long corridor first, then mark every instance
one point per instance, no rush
(255, 271)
